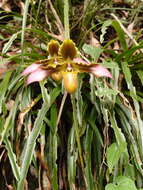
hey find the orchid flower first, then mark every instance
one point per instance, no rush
(63, 63)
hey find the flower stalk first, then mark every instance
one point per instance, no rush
(66, 19)
(70, 83)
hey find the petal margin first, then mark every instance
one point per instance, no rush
(38, 75)
(79, 60)
(30, 69)
(99, 71)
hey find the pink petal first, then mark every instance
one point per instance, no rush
(30, 69)
(79, 60)
(38, 75)
(100, 71)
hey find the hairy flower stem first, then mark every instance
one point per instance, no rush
(61, 107)
(66, 19)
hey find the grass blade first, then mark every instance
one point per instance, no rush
(9, 43)
(12, 158)
(31, 142)
(23, 27)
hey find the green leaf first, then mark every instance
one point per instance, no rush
(127, 74)
(130, 126)
(3, 88)
(9, 43)
(31, 142)
(104, 28)
(12, 158)
(130, 171)
(92, 120)
(72, 158)
(140, 75)
(106, 91)
(45, 95)
(7, 126)
(94, 52)
(127, 54)
(110, 64)
(121, 183)
(54, 93)
(120, 138)
(128, 78)
(54, 169)
(88, 168)
(111, 187)
(53, 117)
(121, 34)
(9, 121)
(25, 14)
(129, 1)
(134, 96)
(114, 153)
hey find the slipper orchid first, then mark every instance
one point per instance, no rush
(63, 63)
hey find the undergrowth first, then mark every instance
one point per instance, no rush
(92, 139)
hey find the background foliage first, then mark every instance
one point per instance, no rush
(100, 144)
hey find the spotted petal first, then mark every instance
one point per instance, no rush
(38, 75)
